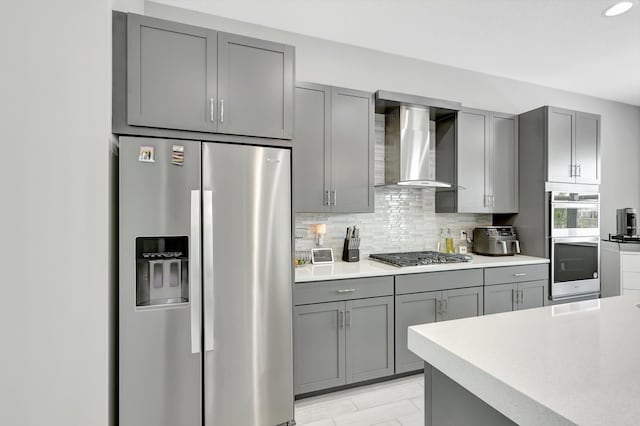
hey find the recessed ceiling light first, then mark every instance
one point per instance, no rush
(618, 8)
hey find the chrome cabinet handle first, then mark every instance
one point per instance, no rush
(194, 272)
(348, 321)
(514, 296)
(222, 110)
(326, 198)
(439, 306)
(346, 290)
(207, 247)
(335, 197)
(521, 298)
(211, 107)
(341, 319)
(579, 166)
(520, 274)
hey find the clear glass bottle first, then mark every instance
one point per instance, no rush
(449, 242)
(441, 245)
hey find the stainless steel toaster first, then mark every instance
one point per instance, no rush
(495, 241)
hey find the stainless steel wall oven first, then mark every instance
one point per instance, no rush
(575, 244)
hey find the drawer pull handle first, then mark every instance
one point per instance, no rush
(521, 274)
(346, 290)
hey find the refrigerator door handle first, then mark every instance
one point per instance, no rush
(194, 272)
(207, 223)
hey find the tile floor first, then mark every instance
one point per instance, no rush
(394, 403)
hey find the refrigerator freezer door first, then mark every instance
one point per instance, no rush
(160, 356)
(247, 285)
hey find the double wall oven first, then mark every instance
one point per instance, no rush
(575, 245)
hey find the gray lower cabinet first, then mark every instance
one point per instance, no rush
(369, 338)
(342, 332)
(515, 288)
(333, 149)
(318, 346)
(486, 163)
(183, 77)
(422, 308)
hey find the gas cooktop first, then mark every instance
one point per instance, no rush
(417, 258)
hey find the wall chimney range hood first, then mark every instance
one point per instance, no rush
(410, 152)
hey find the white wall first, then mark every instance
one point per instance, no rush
(54, 214)
(338, 64)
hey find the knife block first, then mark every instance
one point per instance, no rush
(350, 254)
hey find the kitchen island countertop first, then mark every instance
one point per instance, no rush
(575, 363)
(370, 268)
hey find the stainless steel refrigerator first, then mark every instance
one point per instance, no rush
(205, 317)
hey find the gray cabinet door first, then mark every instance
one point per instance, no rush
(503, 163)
(311, 148)
(499, 298)
(318, 346)
(352, 144)
(473, 136)
(369, 338)
(462, 303)
(561, 134)
(255, 87)
(171, 75)
(587, 148)
(412, 309)
(533, 294)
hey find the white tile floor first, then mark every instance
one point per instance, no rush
(397, 402)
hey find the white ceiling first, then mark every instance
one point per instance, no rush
(564, 44)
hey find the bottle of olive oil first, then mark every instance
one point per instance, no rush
(449, 242)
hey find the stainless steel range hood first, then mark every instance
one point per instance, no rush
(410, 151)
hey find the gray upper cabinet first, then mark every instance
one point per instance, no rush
(255, 87)
(181, 77)
(352, 143)
(572, 143)
(318, 346)
(311, 150)
(486, 146)
(333, 149)
(473, 138)
(503, 163)
(172, 74)
(587, 148)
(561, 134)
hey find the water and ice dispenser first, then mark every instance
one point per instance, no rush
(162, 270)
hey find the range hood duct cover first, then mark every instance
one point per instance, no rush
(410, 152)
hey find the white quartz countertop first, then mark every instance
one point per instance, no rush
(577, 363)
(371, 268)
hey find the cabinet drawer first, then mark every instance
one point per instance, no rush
(511, 274)
(433, 281)
(330, 291)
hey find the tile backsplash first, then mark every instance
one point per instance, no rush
(404, 218)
